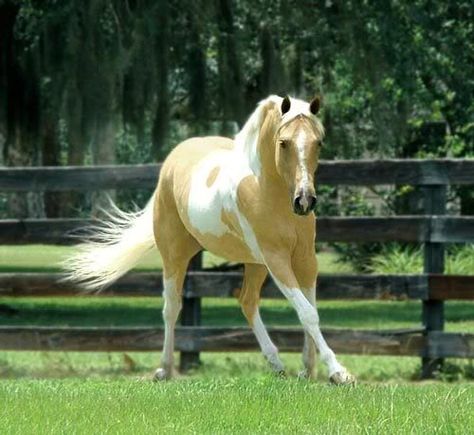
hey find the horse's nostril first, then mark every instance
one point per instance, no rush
(303, 204)
(297, 204)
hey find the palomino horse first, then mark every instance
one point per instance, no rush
(249, 200)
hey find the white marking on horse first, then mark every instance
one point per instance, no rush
(309, 318)
(206, 202)
(300, 146)
(268, 348)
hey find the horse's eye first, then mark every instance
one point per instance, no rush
(283, 143)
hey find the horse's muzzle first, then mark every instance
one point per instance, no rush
(304, 203)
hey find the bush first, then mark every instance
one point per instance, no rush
(396, 258)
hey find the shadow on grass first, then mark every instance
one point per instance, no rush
(147, 312)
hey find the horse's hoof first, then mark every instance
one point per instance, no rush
(342, 378)
(162, 375)
(305, 375)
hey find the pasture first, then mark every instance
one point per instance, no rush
(57, 392)
(236, 405)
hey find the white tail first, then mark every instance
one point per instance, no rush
(112, 249)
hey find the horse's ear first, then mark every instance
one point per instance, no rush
(285, 105)
(315, 105)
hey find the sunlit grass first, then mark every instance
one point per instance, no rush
(48, 258)
(233, 405)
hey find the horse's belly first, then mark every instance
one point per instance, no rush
(229, 247)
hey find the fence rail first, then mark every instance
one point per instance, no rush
(436, 229)
(407, 342)
(222, 284)
(433, 229)
(337, 172)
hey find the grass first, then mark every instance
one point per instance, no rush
(47, 258)
(235, 405)
(146, 311)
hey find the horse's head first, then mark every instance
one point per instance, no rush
(298, 143)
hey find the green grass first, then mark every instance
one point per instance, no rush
(146, 311)
(47, 258)
(234, 405)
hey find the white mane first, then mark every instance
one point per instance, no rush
(246, 140)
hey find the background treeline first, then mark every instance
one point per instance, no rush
(121, 81)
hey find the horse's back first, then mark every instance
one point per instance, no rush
(190, 152)
(185, 157)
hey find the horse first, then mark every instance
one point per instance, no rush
(249, 200)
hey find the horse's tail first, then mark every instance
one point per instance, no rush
(112, 248)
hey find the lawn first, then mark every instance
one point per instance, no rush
(47, 258)
(59, 392)
(234, 405)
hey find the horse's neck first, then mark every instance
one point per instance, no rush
(268, 177)
(257, 143)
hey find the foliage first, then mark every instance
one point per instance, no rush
(385, 70)
(353, 202)
(397, 258)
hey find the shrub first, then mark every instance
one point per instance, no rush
(396, 258)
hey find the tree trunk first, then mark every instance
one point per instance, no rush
(231, 88)
(22, 109)
(273, 80)
(70, 202)
(103, 153)
(197, 76)
(161, 121)
(50, 157)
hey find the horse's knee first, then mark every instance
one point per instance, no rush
(309, 317)
(249, 306)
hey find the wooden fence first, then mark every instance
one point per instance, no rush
(434, 228)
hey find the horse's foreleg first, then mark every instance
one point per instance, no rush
(305, 268)
(249, 298)
(284, 277)
(309, 347)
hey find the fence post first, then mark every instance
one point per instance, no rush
(434, 202)
(191, 316)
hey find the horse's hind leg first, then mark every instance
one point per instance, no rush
(177, 247)
(249, 298)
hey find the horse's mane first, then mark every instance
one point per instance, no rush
(246, 140)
